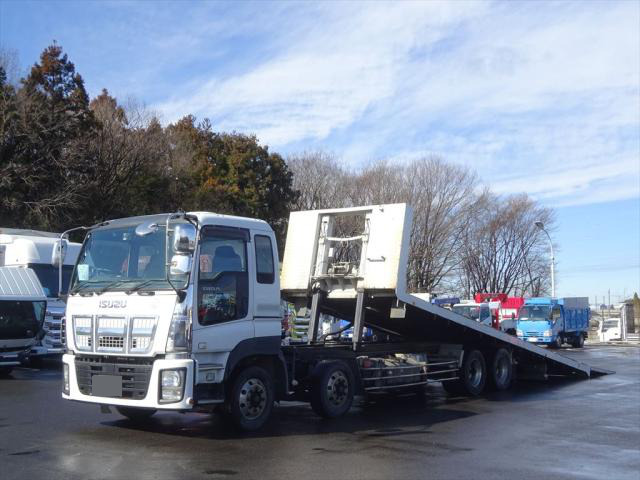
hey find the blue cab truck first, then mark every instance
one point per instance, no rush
(554, 321)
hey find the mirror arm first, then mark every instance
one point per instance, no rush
(61, 260)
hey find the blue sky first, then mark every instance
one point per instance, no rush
(542, 98)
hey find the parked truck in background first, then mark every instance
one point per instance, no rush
(34, 249)
(22, 309)
(183, 312)
(553, 322)
(479, 312)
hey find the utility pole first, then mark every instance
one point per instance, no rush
(540, 225)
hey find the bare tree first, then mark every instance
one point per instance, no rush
(320, 180)
(504, 251)
(10, 63)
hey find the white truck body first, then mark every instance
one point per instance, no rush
(33, 249)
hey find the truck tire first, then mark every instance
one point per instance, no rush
(501, 372)
(473, 376)
(557, 343)
(136, 414)
(578, 342)
(251, 399)
(332, 389)
(5, 371)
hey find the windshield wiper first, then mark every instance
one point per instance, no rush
(80, 288)
(113, 284)
(140, 285)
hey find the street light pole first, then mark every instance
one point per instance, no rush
(540, 225)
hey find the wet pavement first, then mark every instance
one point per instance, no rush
(587, 429)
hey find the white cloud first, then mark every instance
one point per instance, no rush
(538, 97)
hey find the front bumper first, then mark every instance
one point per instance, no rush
(13, 359)
(42, 351)
(150, 400)
(540, 339)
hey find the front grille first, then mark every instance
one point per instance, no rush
(116, 335)
(111, 342)
(135, 373)
(52, 326)
(63, 331)
(533, 334)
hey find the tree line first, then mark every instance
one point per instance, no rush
(68, 160)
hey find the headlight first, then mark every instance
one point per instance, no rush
(178, 338)
(547, 333)
(519, 333)
(171, 385)
(65, 378)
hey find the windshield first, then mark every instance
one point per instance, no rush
(611, 324)
(20, 319)
(468, 311)
(48, 276)
(120, 259)
(534, 313)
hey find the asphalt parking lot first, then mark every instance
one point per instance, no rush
(562, 429)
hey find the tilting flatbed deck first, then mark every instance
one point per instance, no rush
(370, 292)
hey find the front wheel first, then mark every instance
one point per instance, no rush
(5, 371)
(251, 400)
(332, 389)
(557, 343)
(136, 414)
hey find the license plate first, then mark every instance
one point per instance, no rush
(533, 339)
(106, 386)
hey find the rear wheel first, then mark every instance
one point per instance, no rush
(501, 373)
(136, 414)
(5, 371)
(473, 376)
(251, 399)
(332, 389)
(578, 342)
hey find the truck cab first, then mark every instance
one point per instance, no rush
(34, 249)
(480, 312)
(22, 310)
(553, 322)
(163, 309)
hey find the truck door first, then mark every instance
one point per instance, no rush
(267, 313)
(223, 291)
(557, 321)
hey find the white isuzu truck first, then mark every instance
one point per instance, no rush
(34, 249)
(183, 312)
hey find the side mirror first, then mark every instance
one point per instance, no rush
(58, 253)
(184, 238)
(180, 265)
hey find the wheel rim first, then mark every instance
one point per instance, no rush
(253, 398)
(337, 388)
(474, 373)
(502, 370)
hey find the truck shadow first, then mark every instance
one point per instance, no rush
(383, 415)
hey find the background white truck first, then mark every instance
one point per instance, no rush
(183, 312)
(22, 311)
(34, 249)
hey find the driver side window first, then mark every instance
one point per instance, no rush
(223, 293)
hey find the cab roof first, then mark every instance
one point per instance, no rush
(21, 284)
(204, 218)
